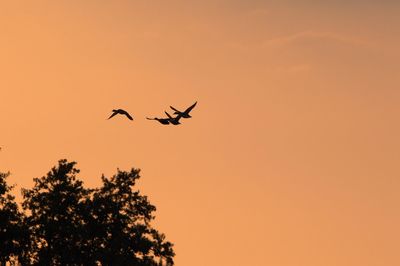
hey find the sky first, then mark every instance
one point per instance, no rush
(291, 157)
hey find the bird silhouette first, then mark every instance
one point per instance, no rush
(174, 120)
(164, 121)
(184, 114)
(121, 112)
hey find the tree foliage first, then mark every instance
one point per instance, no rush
(12, 229)
(57, 207)
(122, 217)
(69, 224)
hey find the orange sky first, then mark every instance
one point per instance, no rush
(292, 155)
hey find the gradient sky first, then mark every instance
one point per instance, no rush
(292, 155)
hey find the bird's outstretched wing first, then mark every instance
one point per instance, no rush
(148, 118)
(174, 109)
(123, 112)
(179, 116)
(169, 116)
(190, 108)
(129, 116)
(113, 114)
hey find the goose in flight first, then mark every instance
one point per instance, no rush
(121, 112)
(164, 121)
(184, 114)
(174, 120)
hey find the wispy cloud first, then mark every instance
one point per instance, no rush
(304, 35)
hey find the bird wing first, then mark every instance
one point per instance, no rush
(129, 116)
(169, 116)
(190, 108)
(123, 112)
(113, 114)
(175, 109)
(148, 118)
(178, 117)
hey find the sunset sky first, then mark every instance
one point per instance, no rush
(292, 155)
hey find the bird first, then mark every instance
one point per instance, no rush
(164, 121)
(174, 120)
(184, 114)
(121, 112)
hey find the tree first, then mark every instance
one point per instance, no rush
(57, 207)
(110, 225)
(12, 230)
(121, 217)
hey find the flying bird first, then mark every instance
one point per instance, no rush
(164, 121)
(184, 114)
(174, 120)
(121, 112)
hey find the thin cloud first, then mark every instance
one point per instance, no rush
(304, 35)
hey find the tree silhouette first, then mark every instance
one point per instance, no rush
(121, 219)
(57, 207)
(12, 230)
(72, 225)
